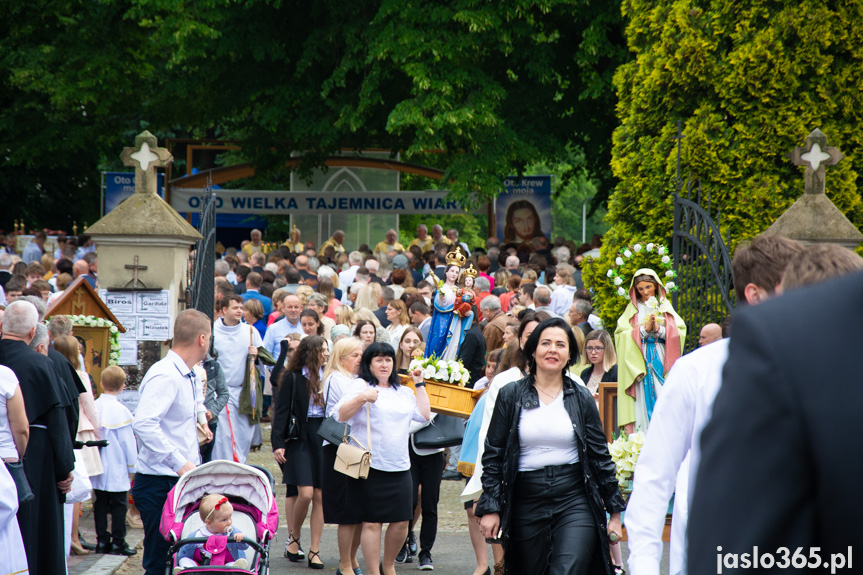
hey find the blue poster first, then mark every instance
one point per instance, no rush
(121, 185)
(524, 209)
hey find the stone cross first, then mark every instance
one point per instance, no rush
(815, 155)
(136, 283)
(146, 156)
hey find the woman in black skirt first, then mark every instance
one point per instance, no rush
(380, 412)
(341, 372)
(297, 448)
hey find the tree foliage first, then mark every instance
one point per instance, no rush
(492, 86)
(749, 80)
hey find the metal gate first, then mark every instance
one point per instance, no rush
(202, 264)
(702, 263)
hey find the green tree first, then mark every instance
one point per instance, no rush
(749, 80)
(491, 87)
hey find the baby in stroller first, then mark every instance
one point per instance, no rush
(224, 544)
(220, 518)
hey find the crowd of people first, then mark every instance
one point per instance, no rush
(330, 334)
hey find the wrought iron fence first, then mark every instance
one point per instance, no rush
(202, 262)
(702, 263)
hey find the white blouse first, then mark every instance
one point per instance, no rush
(8, 388)
(546, 436)
(391, 417)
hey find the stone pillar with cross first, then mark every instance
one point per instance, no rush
(144, 243)
(813, 218)
(145, 156)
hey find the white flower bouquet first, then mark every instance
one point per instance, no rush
(113, 333)
(624, 452)
(441, 370)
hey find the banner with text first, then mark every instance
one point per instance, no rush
(524, 209)
(274, 202)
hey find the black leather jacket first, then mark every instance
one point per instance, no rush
(502, 451)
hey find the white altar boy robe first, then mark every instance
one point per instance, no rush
(121, 454)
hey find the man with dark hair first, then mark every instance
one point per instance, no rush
(767, 394)
(164, 424)
(525, 295)
(15, 288)
(242, 273)
(420, 318)
(387, 295)
(50, 459)
(253, 291)
(681, 412)
(35, 248)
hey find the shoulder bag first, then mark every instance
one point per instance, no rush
(331, 429)
(442, 431)
(293, 430)
(16, 470)
(355, 461)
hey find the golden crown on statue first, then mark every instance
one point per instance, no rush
(456, 257)
(471, 271)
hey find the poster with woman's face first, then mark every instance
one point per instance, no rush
(524, 209)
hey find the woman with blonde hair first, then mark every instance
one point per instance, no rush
(89, 429)
(304, 292)
(397, 314)
(326, 289)
(345, 316)
(564, 290)
(368, 297)
(601, 361)
(340, 373)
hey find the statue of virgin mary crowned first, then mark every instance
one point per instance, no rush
(448, 327)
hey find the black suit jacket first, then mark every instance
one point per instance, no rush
(775, 466)
(292, 392)
(381, 314)
(472, 353)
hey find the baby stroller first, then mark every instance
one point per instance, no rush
(249, 489)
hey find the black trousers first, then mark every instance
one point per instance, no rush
(150, 493)
(427, 470)
(115, 503)
(553, 531)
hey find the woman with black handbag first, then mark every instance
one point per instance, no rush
(548, 479)
(377, 404)
(14, 433)
(296, 444)
(340, 374)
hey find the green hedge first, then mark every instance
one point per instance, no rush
(749, 80)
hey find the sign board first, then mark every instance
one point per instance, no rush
(284, 202)
(120, 185)
(524, 209)
(144, 314)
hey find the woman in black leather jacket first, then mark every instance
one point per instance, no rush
(548, 478)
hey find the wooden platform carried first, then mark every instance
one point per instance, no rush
(448, 399)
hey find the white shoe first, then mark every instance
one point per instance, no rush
(240, 563)
(178, 569)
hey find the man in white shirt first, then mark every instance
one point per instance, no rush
(235, 342)
(670, 454)
(346, 277)
(35, 248)
(291, 307)
(165, 427)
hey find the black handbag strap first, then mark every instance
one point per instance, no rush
(293, 392)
